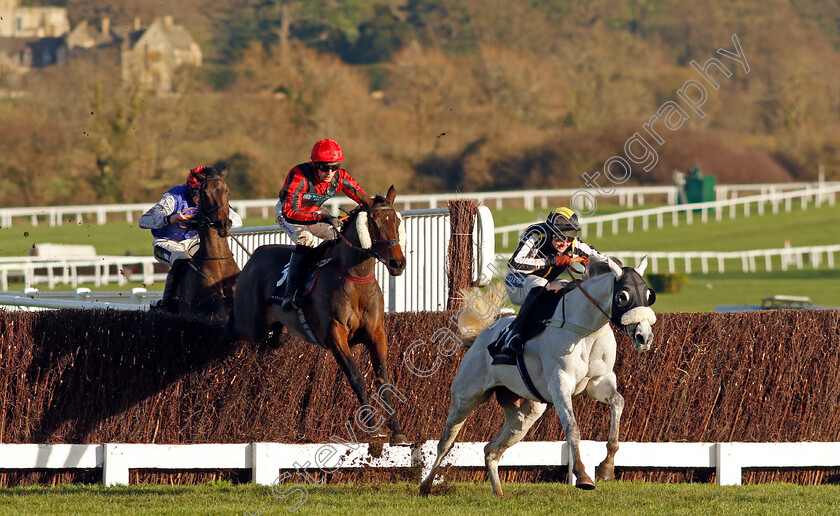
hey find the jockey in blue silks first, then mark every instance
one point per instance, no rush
(545, 251)
(175, 242)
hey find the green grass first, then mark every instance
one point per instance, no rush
(813, 226)
(704, 292)
(616, 498)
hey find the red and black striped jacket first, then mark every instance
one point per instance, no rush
(303, 193)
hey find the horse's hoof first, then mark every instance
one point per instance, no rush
(586, 485)
(425, 489)
(605, 473)
(399, 440)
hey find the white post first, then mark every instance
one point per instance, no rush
(727, 467)
(114, 465)
(263, 471)
(425, 456)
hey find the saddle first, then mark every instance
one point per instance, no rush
(544, 307)
(313, 260)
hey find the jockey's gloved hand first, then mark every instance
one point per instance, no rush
(333, 221)
(562, 260)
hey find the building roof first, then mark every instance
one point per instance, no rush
(175, 35)
(10, 46)
(87, 36)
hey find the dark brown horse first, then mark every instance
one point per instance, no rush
(346, 306)
(209, 282)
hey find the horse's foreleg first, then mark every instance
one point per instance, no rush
(378, 349)
(561, 388)
(337, 343)
(462, 405)
(606, 391)
(520, 415)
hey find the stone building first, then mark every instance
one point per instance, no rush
(151, 57)
(32, 22)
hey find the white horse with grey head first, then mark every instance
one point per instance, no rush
(574, 355)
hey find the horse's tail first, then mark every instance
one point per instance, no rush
(481, 308)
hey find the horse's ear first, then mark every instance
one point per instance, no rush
(367, 202)
(616, 269)
(642, 266)
(391, 195)
(224, 173)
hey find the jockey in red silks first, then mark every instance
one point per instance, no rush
(308, 186)
(174, 242)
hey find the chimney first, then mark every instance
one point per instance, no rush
(136, 23)
(168, 21)
(106, 26)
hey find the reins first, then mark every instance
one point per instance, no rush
(577, 282)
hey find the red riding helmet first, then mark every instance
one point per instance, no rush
(327, 151)
(197, 175)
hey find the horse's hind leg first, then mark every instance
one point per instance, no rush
(604, 390)
(520, 415)
(462, 406)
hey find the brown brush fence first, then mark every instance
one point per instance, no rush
(92, 376)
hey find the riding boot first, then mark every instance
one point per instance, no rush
(171, 295)
(292, 298)
(514, 341)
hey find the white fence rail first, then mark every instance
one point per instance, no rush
(33, 300)
(422, 286)
(73, 270)
(784, 257)
(776, 199)
(531, 199)
(266, 460)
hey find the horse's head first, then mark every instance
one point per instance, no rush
(631, 302)
(380, 232)
(213, 203)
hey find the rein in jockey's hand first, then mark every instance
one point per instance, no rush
(562, 260)
(333, 221)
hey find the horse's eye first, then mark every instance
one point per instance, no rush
(622, 299)
(651, 295)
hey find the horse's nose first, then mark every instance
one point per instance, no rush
(396, 264)
(641, 340)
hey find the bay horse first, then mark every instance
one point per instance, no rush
(346, 306)
(209, 283)
(574, 355)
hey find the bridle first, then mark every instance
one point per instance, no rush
(629, 291)
(370, 252)
(203, 219)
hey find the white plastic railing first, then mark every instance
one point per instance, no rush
(627, 196)
(775, 198)
(685, 261)
(265, 460)
(32, 300)
(72, 270)
(422, 286)
(58, 215)
(784, 257)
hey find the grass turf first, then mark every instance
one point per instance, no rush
(449, 499)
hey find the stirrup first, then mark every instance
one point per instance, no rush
(514, 344)
(293, 302)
